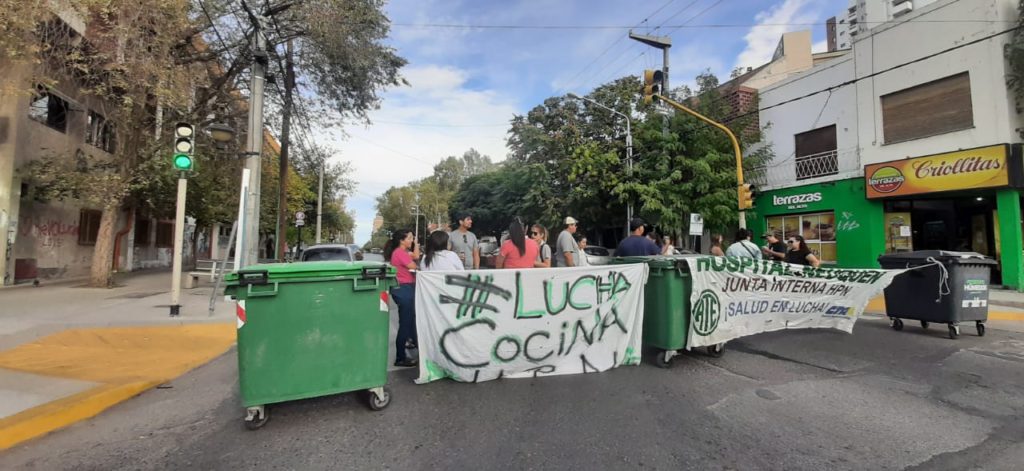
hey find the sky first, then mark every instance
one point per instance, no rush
(467, 82)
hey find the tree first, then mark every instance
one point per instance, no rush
(131, 74)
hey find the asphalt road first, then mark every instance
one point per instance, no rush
(878, 399)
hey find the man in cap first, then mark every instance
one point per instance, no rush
(636, 244)
(567, 251)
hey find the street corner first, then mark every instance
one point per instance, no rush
(73, 375)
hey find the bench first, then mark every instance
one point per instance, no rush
(210, 268)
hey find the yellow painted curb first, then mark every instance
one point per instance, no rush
(125, 360)
(877, 305)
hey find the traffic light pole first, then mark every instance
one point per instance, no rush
(179, 245)
(254, 144)
(735, 148)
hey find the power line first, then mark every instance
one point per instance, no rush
(406, 123)
(698, 15)
(874, 74)
(612, 45)
(403, 154)
(684, 25)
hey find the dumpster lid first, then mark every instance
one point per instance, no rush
(307, 270)
(654, 261)
(947, 256)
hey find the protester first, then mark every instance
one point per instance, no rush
(774, 248)
(437, 257)
(465, 244)
(539, 234)
(743, 247)
(518, 251)
(567, 251)
(397, 250)
(583, 262)
(716, 245)
(636, 244)
(668, 247)
(799, 253)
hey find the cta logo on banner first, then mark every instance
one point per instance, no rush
(482, 325)
(736, 297)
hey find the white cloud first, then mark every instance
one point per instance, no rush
(820, 46)
(438, 115)
(790, 15)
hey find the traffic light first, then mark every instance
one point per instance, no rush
(746, 193)
(184, 143)
(653, 82)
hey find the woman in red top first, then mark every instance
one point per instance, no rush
(517, 251)
(397, 251)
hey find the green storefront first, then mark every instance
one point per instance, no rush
(965, 200)
(839, 224)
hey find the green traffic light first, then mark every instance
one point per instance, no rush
(183, 162)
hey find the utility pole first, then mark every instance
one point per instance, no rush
(286, 125)
(629, 150)
(254, 142)
(664, 43)
(320, 202)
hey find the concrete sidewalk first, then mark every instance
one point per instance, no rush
(68, 352)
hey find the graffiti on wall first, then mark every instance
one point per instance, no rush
(49, 233)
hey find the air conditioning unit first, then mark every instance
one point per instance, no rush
(902, 9)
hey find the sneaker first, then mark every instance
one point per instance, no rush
(408, 362)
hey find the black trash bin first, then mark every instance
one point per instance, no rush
(958, 293)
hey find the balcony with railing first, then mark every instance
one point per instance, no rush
(817, 165)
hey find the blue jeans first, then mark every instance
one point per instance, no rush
(405, 298)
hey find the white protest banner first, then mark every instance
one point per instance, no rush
(481, 325)
(736, 297)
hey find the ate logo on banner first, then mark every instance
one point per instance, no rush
(706, 313)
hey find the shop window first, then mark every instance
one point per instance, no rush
(928, 109)
(818, 230)
(88, 226)
(164, 234)
(142, 232)
(816, 154)
(49, 109)
(99, 132)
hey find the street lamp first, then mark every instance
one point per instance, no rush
(221, 133)
(629, 150)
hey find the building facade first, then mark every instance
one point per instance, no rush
(918, 118)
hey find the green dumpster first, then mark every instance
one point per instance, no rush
(310, 329)
(666, 305)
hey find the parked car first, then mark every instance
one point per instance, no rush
(598, 255)
(324, 252)
(489, 250)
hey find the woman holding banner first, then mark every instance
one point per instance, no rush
(397, 250)
(799, 253)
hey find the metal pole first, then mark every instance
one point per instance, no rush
(179, 243)
(665, 89)
(320, 202)
(223, 260)
(629, 165)
(250, 235)
(243, 199)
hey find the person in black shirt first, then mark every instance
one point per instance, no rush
(774, 249)
(636, 244)
(799, 254)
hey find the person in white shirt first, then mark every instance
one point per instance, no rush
(744, 247)
(437, 257)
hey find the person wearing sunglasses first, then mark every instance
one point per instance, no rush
(567, 251)
(539, 234)
(465, 244)
(799, 253)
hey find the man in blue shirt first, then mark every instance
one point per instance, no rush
(636, 243)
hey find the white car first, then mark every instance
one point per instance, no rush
(598, 255)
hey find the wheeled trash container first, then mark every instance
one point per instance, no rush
(953, 291)
(666, 305)
(310, 329)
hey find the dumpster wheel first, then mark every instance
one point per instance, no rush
(378, 398)
(924, 324)
(981, 329)
(663, 358)
(716, 350)
(954, 331)
(256, 417)
(896, 323)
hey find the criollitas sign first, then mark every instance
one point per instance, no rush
(984, 167)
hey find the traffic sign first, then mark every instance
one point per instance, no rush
(300, 216)
(300, 222)
(696, 224)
